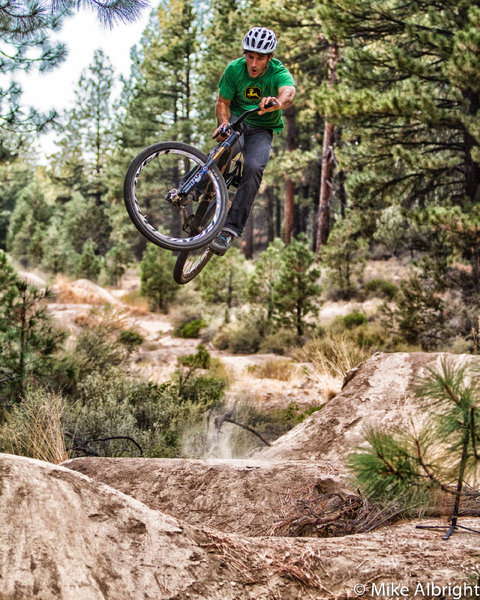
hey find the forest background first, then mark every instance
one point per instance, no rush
(379, 160)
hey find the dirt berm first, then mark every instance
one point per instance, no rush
(65, 534)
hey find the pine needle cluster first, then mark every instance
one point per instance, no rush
(415, 469)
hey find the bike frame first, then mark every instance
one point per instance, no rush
(235, 131)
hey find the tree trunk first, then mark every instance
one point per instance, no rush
(248, 245)
(270, 214)
(326, 181)
(289, 184)
(289, 209)
(278, 216)
(472, 168)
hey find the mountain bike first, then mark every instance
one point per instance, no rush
(177, 197)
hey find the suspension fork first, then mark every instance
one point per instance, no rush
(196, 175)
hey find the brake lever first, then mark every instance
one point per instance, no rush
(224, 129)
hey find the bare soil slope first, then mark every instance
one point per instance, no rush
(70, 537)
(379, 392)
(252, 496)
(236, 496)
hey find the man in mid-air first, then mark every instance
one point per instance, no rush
(255, 79)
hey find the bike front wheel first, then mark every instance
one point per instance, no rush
(158, 212)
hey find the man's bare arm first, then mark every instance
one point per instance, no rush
(222, 110)
(286, 95)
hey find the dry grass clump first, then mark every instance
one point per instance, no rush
(34, 428)
(107, 317)
(331, 356)
(136, 301)
(274, 368)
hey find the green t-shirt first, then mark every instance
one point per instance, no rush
(244, 92)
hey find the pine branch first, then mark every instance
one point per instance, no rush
(431, 475)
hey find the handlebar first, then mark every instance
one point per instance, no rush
(236, 126)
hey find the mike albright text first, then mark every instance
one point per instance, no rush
(429, 589)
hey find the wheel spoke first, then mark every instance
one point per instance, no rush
(157, 210)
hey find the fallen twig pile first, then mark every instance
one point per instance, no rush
(334, 515)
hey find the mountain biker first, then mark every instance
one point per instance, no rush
(254, 79)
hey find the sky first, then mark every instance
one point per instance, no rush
(83, 34)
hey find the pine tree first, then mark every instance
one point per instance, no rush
(88, 132)
(117, 260)
(28, 339)
(344, 255)
(411, 468)
(89, 265)
(161, 93)
(226, 22)
(15, 176)
(408, 91)
(223, 280)
(25, 28)
(261, 285)
(297, 289)
(27, 222)
(157, 283)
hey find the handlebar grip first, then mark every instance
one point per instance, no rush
(223, 131)
(270, 104)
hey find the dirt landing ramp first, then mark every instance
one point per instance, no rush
(236, 496)
(379, 393)
(64, 535)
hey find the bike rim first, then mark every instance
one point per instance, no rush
(189, 264)
(196, 260)
(153, 179)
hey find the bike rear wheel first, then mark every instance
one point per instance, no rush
(190, 263)
(157, 211)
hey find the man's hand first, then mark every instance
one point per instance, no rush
(221, 132)
(267, 101)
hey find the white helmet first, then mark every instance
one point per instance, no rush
(261, 40)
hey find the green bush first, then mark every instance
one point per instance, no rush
(191, 329)
(242, 337)
(200, 360)
(110, 404)
(381, 289)
(354, 319)
(130, 339)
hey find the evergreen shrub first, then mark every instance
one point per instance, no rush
(191, 329)
(381, 288)
(130, 339)
(354, 319)
(241, 337)
(200, 360)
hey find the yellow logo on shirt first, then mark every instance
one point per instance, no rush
(253, 93)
